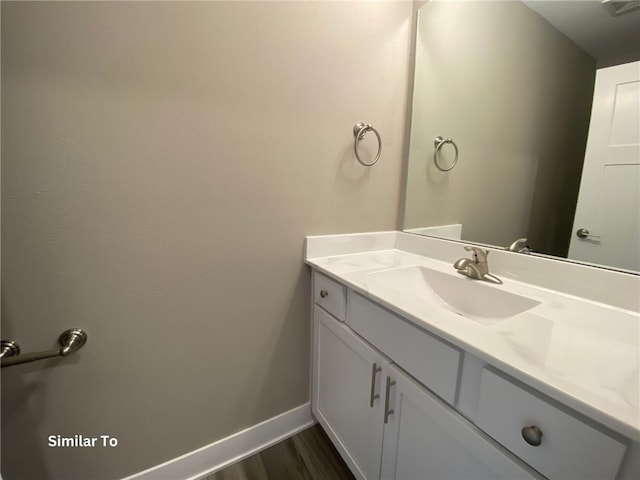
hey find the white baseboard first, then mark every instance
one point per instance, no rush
(218, 455)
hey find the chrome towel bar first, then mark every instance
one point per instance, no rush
(69, 341)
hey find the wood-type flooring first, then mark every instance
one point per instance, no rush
(309, 455)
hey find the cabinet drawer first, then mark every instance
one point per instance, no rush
(429, 360)
(330, 295)
(569, 448)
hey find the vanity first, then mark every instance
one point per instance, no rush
(523, 365)
(419, 372)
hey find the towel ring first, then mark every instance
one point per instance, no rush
(438, 143)
(359, 132)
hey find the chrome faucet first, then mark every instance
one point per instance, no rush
(520, 246)
(477, 266)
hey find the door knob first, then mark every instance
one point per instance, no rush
(584, 233)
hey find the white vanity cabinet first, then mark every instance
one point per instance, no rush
(567, 446)
(384, 423)
(548, 392)
(426, 439)
(347, 376)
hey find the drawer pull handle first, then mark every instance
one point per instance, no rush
(323, 293)
(374, 396)
(387, 410)
(532, 435)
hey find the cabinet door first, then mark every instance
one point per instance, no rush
(344, 373)
(426, 439)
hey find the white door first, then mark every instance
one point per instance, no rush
(606, 228)
(425, 439)
(347, 374)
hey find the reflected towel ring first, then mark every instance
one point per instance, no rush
(438, 143)
(359, 132)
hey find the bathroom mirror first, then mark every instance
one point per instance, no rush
(514, 94)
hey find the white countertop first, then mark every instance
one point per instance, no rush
(580, 352)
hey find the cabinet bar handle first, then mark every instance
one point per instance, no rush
(374, 396)
(387, 410)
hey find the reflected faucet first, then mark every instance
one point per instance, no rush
(477, 266)
(520, 246)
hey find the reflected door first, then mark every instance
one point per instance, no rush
(606, 228)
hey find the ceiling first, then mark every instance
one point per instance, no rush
(608, 37)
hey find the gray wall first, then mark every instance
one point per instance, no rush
(515, 95)
(161, 165)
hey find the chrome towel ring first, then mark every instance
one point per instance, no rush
(359, 132)
(438, 143)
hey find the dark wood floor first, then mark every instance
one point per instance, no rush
(309, 455)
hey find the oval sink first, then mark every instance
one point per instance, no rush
(474, 299)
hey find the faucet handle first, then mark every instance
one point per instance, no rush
(479, 254)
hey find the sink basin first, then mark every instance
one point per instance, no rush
(469, 298)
